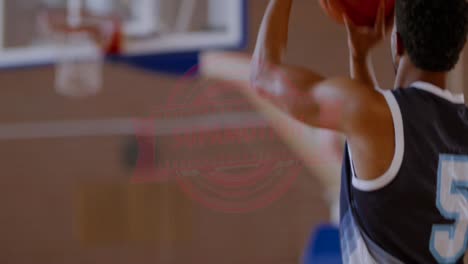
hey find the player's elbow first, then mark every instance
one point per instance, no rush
(305, 114)
(262, 71)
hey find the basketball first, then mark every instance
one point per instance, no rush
(360, 12)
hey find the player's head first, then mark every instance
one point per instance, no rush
(432, 33)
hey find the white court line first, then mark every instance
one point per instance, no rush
(128, 126)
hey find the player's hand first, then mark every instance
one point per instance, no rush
(361, 40)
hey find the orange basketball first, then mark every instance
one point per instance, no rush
(361, 12)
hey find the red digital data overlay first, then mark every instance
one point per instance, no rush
(234, 169)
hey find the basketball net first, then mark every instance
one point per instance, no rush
(82, 41)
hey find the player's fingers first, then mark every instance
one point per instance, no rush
(389, 23)
(329, 4)
(326, 6)
(347, 25)
(380, 21)
(351, 28)
(336, 9)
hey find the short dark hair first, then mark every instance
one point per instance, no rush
(432, 31)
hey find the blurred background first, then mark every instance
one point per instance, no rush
(85, 179)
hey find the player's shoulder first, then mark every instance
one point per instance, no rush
(426, 103)
(422, 91)
(356, 95)
(363, 104)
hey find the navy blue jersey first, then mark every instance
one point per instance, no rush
(417, 212)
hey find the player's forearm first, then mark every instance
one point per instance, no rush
(268, 69)
(286, 86)
(292, 90)
(273, 34)
(362, 70)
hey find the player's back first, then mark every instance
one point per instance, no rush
(417, 212)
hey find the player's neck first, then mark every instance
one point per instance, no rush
(409, 74)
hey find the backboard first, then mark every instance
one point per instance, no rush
(164, 28)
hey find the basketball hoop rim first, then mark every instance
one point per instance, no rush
(105, 30)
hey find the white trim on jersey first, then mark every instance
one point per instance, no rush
(391, 173)
(445, 94)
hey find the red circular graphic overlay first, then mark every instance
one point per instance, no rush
(232, 170)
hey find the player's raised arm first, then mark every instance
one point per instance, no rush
(334, 104)
(361, 40)
(267, 62)
(273, 34)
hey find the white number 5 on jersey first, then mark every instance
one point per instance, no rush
(449, 242)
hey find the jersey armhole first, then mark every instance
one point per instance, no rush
(392, 172)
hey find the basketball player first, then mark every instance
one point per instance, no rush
(404, 196)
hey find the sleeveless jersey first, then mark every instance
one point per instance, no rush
(417, 212)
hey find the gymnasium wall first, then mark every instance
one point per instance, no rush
(40, 175)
